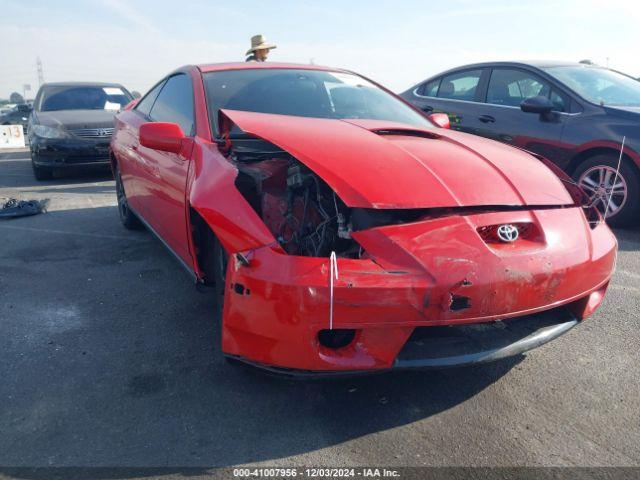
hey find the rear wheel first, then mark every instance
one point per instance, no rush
(616, 195)
(127, 217)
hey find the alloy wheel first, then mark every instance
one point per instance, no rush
(598, 183)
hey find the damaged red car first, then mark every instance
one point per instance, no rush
(344, 231)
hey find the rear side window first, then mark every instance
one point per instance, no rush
(175, 103)
(144, 105)
(460, 86)
(429, 89)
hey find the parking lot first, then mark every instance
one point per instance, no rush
(107, 358)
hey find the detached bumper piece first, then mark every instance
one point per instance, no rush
(22, 208)
(459, 345)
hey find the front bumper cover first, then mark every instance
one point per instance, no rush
(432, 273)
(459, 345)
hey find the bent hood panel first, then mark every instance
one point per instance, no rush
(432, 170)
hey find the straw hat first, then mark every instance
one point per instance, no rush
(258, 42)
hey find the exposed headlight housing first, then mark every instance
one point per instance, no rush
(44, 131)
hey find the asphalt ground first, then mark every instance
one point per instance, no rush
(107, 358)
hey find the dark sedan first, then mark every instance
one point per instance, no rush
(71, 125)
(18, 115)
(576, 115)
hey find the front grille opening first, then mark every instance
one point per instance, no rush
(432, 342)
(336, 338)
(102, 132)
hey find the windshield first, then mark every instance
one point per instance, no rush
(83, 98)
(599, 85)
(305, 93)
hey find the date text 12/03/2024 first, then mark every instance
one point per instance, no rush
(315, 472)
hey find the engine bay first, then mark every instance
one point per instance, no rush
(302, 212)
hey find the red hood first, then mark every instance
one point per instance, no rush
(417, 169)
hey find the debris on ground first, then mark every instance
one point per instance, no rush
(22, 208)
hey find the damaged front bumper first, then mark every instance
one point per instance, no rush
(461, 345)
(433, 293)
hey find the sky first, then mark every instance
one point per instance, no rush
(399, 43)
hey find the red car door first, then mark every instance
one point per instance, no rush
(132, 165)
(164, 174)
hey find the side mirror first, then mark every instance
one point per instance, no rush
(166, 137)
(23, 107)
(440, 119)
(539, 104)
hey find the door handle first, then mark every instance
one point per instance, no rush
(486, 119)
(427, 108)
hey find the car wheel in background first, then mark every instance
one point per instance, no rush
(41, 173)
(127, 217)
(597, 175)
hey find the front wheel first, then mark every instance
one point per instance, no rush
(127, 217)
(214, 264)
(41, 173)
(616, 195)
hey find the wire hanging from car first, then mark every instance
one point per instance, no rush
(333, 270)
(615, 179)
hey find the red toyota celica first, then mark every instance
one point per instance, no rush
(344, 231)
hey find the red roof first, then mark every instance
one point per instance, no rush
(214, 67)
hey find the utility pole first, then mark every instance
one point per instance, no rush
(40, 72)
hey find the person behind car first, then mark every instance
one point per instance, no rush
(259, 50)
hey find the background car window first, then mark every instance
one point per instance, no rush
(144, 105)
(510, 87)
(57, 97)
(175, 103)
(599, 85)
(558, 102)
(429, 89)
(460, 86)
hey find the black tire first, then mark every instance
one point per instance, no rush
(628, 203)
(127, 217)
(214, 264)
(41, 173)
(214, 261)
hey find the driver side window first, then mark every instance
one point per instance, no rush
(144, 106)
(175, 103)
(510, 87)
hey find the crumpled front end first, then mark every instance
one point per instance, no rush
(414, 219)
(449, 270)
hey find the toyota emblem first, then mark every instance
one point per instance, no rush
(508, 233)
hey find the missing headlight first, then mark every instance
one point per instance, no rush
(302, 212)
